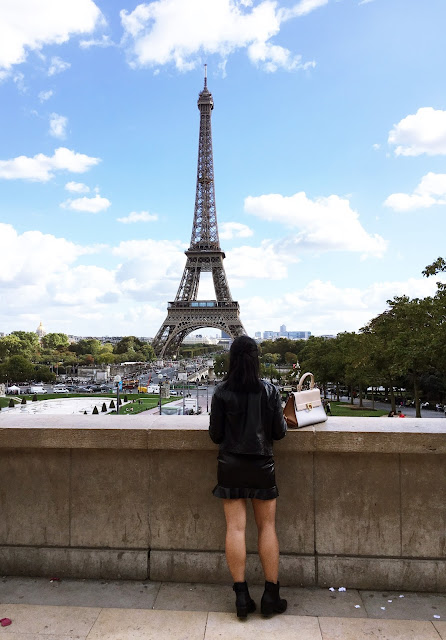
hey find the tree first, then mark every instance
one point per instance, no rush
(409, 331)
(129, 343)
(18, 369)
(55, 341)
(148, 352)
(317, 357)
(43, 374)
(10, 346)
(23, 343)
(221, 365)
(86, 346)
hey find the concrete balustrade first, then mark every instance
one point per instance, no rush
(362, 501)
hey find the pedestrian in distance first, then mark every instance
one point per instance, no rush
(246, 416)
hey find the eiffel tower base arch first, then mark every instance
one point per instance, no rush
(183, 318)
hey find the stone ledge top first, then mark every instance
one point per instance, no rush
(151, 431)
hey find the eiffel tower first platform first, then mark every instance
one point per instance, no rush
(186, 314)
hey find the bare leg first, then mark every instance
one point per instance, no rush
(268, 544)
(235, 514)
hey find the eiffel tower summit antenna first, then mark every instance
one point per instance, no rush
(186, 313)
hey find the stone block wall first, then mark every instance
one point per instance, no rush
(362, 501)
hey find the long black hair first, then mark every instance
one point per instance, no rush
(244, 369)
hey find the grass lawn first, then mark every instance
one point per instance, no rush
(342, 409)
(146, 403)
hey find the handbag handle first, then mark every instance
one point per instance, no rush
(301, 381)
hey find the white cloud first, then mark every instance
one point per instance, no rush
(58, 125)
(174, 31)
(302, 8)
(102, 42)
(142, 216)
(273, 57)
(89, 205)
(228, 230)
(41, 168)
(325, 308)
(24, 257)
(422, 132)
(77, 187)
(266, 262)
(376, 146)
(58, 65)
(27, 26)
(325, 224)
(151, 269)
(45, 95)
(430, 191)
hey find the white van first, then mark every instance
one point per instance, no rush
(38, 388)
(153, 388)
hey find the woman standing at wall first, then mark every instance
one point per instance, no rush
(246, 416)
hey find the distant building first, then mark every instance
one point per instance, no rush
(270, 335)
(225, 336)
(41, 331)
(291, 335)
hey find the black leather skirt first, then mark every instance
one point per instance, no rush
(245, 476)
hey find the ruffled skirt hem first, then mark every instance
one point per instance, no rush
(235, 493)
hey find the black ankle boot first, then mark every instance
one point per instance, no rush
(244, 603)
(271, 600)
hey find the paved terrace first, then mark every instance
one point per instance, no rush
(120, 509)
(41, 609)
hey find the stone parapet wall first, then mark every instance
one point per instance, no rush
(362, 501)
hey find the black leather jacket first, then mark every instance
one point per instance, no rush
(247, 422)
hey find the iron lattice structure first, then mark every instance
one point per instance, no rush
(186, 314)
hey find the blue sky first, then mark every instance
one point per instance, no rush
(329, 133)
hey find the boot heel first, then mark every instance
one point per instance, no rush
(266, 609)
(242, 612)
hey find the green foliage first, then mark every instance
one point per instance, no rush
(221, 365)
(89, 346)
(54, 341)
(43, 374)
(17, 369)
(19, 343)
(281, 347)
(132, 349)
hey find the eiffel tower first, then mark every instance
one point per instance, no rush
(186, 314)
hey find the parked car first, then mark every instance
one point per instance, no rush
(61, 390)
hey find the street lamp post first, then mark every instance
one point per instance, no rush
(160, 382)
(117, 381)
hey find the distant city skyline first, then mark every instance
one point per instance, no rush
(329, 139)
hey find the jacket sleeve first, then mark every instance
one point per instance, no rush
(217, 419)
(279, 425)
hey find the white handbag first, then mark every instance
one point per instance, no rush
(304, 407)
